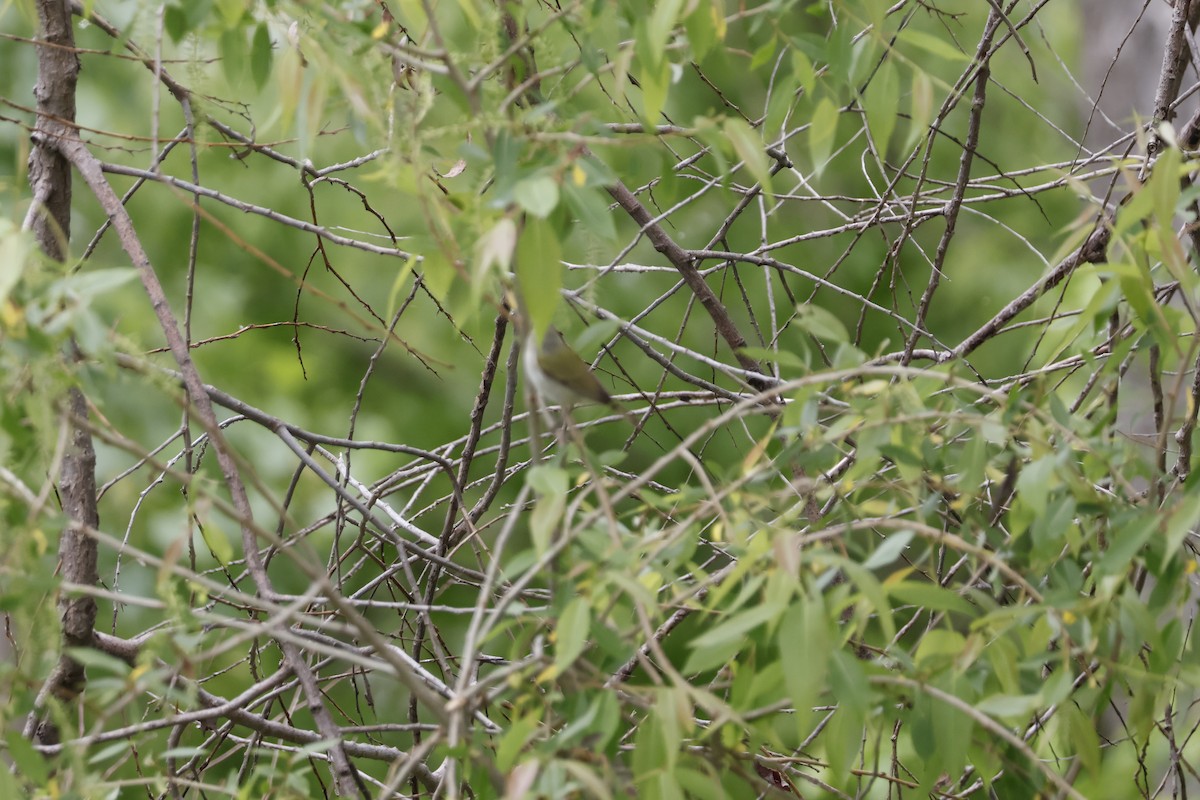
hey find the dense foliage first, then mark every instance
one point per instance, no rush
(903, 505)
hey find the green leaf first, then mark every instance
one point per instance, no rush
(537, 194)
(571, 633)
(1143, 704)
(665, 787)
(1012, 708)
(929, 596)
(1167, 654)
(1137, 287)
(123, 747)
(802, 67)
(749, 147)
(1003, 656)
(838, 52)
(232, 12)
(933, 45)
(805, 642)
(176, 23)
(30, 764)
(920, 111)
(16, 247)
(88, 284)
(655, 80)
(972, 467)
(890, 550)
(1056, 687)
(881, 104)
(592, 782)
(100, 661)
(673, 712)
(262, 56)
(820, 323)
(437, 274)
(594, 720)
(507, 151)
(1163, 186)
(1035, 482)
(590, 206)
(779, 107)
(648, 755)
(987, 763)
(549, 483)
(590, 338)
(597, 173)
(762, 55)
(540, 272)
(753, 681)
(872, 592)
(1181, 522)
(1051, 528)
(705, 27)
(821, 133)
(1081, 738)
(512, 743)
(940, 647)
(659, 27)
(953, 727)
(232, 47)
(921, 729)
(843, 736)
(471, 13)
(218, 543)
(736, 627)
(1125, 541)
(1135, 210)
(699, 784)
(1101, 303)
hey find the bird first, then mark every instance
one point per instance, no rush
(558, 375)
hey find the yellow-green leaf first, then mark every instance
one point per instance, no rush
(881, 105)
(749, 147)
(571, 633)
(15, 247)
(821, 323)
(932, 45)
(655, 80)
(705, 27)
(537, 194)
(804, 646)
(660, 24)
(821, 133)
(540, 272)
(920, 107)
(549, 484)
(802, 66)
(218, 543)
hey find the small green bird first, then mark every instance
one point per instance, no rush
(559, 375)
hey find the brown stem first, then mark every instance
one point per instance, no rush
(50, 222)
(65, 139)
(684, 264)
